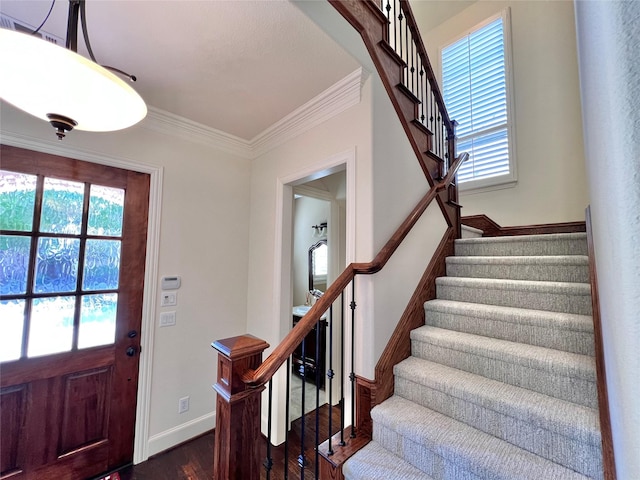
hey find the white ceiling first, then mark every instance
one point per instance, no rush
(237, 66)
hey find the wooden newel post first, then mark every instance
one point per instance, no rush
(236, 451)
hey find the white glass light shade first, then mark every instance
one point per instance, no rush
(42, 78)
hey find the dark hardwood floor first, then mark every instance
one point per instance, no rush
(194, 460)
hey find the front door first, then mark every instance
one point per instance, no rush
(72, 257)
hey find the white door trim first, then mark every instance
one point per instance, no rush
(282, 255)
(141, 440)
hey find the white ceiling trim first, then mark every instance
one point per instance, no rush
(169, 123)
(333, 101)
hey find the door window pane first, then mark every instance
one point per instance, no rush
(17, 198)
(101, 265)
(106, 208)
(14, 262)
(11, 325)
(97, 320)
(57, 265)
(62, 206)
(51, 328)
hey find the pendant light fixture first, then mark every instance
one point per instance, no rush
(66, 89)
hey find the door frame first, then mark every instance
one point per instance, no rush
(150, 293)
(282, 273)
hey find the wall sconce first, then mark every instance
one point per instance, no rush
(320, 230)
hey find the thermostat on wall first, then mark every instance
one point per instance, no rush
(170, 283)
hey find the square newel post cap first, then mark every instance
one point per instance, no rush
(239, 347)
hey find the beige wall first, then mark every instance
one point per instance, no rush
(610, 77)
(552, 183)
(204, 235)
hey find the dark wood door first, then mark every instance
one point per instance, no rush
(72, 257)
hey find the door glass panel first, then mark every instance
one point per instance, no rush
(106, 208)
(101, 265)
(51, 326)
(14, 262)
(11, 325)
(57, 265)
(97, 320)
(62, 202)
(17, 198)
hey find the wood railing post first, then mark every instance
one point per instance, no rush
(236, 451)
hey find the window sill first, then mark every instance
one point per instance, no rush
(489, 185)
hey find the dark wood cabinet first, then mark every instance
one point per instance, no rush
(311, 364)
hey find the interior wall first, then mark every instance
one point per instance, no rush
(608, 43)
(552, 184)
(204, 239)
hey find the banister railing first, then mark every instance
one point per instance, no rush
(390, 33)
(270, 366)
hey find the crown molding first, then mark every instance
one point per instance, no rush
(168, 123)
(333, 101)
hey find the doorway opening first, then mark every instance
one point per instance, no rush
(318, 256)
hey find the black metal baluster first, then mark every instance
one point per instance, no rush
(422, 90)
(413, 68)
(286, 421)
(400, 18)
(318, 376)
(330, 377)
(395, 26)
(352, 375)
(388, 9)
(342, 316)
(268, 462)
(302, 460)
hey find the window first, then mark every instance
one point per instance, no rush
(475, 83)
(59, 264)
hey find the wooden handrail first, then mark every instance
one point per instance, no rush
(274, 361)
(422, 52)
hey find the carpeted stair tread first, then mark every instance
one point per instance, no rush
(552, 296)
(566, 418)
(564, 375)
(555, 268)
(552, 244)
(562, 331)
(374, 462)
(561, 431)
(447, 449)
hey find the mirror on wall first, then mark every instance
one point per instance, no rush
(318, 266)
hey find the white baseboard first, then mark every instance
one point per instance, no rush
(176, 435)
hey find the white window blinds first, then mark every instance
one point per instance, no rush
(475, 93)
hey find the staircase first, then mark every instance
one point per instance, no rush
(501, 383)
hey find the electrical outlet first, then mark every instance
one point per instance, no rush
(183, 405)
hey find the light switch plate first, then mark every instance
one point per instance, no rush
(167, 319)
(169, 299)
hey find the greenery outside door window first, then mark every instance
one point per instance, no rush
(59, 264)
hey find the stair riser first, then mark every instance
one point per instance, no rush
(535, 300)
(522, 248)
(569, 452)
(558, 339)
(572, 389)
(544, 273)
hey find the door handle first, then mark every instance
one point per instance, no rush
(131, 351)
